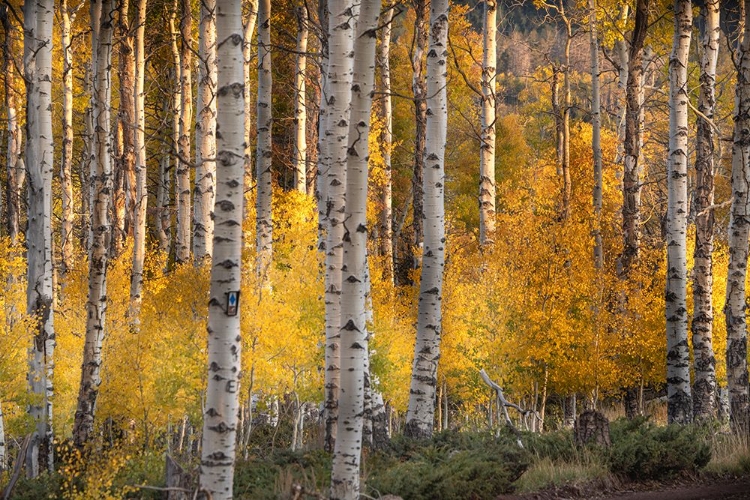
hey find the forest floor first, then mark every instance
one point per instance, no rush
(684, 489)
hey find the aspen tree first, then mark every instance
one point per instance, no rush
(3, 460)
(421, 412)
(353, 327)
(182, 185)
(249, 28)
(487, 144)
(596, 134)
(419, 88)
(679, 399)
(124, 161)
(220, 418)
(66, 158)
(324, 160)
(141, 194)
(386, 141)
(14, 163)
(205, 131)
(341, 30)
(102, 13)
(300, 106)
(264, 222)
(739, 229)
(38, 22)
(163, 218)
(704, 364)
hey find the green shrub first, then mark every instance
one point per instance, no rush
(556, 446)
(452, 465)
(272, 477)
(641, 450)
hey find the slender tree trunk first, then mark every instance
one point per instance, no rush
(487, 146)
(596, 135)
(38, 21)
(340, 67)
(739, 229)
(101, 175)
(205, 164)
(420, 416)
(679, 399)
(623, 55)
(86, 163)
(249, 28)
(224, 346)
(557, 114)
(264, 222)
(163, 217)
(631, 185)
(354, 352)
(141, 194)
(15, 174)
(565, 115)
(386, 141)
(324, 160)
(704, 386)
(300, 106)
(419, 87)
(182, 241)
(125, 183)
(66, 159)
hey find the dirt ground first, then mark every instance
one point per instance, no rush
(714, 489)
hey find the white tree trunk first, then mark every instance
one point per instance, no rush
(420, 416)
(386, 142)
(264, 221)
(66, 159)
(205, 164)
(704, 362)
(3, 459)
(224, 346)
(341, 30)
(38, 22)
(247, 52)
(13, 152)
(300, 104)
(487, 145)
(324, 160)
(739, 229)
(353, 342)
(163, 217)
(596, 135)
(679, 400)
(182, 241)
(101, 179)
(141, 194)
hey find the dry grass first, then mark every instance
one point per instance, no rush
(730, 454)
(545, 473)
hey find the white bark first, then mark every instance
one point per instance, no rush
(101, 179)
(386, 142)
(487, 146)
(341, 30)
(141, 194)
(739, 229)
(679, 401)
(182, 185)
(38, 22)
(163, 217)
(596, 134)
(623, 61)
(420, 416)
(247, 52)
(224, 343)
(704, 385)
(353, 332)
(264, 221)
(324, 160)
(300, 105)
(66, 159)
(205, 130)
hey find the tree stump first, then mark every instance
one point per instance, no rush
(592, 426)
(178, 479)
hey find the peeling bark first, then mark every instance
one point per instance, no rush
(264, 221)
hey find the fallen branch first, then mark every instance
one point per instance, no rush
(20, 459)
(504, 404)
